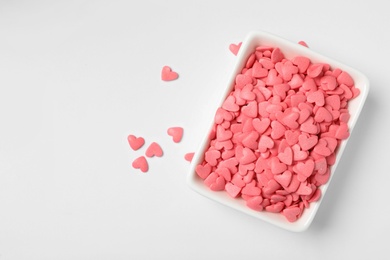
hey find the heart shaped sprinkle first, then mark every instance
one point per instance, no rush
(135, 142)
(286, 157)
(167, 74)
(176, 133)
(154, 149)
(234, 48)
(141, 163)
(291, 213)
(189, 156)
(284, 179)
(255, 203)
(232, 189)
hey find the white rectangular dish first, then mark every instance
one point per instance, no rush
(289, 50)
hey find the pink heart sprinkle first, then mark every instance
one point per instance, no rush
(255, 203)
(167, 74)
(154, 149)
(211, 157)
(284, 179)
(291, 213)
(189, 156)
(203, 171)
(307, 142)
(232, 189)
(286, 157)
(305, 168)
(135, 142)
(218, 185)
(230, 104)
(176, 133)
(141, 163)
(303, 43)
(234, 48)
(261, 124)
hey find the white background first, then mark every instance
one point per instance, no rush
(76, 77)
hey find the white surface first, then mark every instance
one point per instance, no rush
(76, 77)
(290, 50)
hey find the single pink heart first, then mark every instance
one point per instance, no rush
(281, 90)
(242, 80)
(238, 180)
(304, 189)
(258, 71)
(288, 70)
(247, 93)
(212, 156)
(286, 156)
(154, 149)
(250, 110)
(292, 137)
(284, 179)
(167, 74)
(298, 154)
(248, 156)
(265, 143)
(135, 142)
(273, 78)
(232, 189)
(323, 115)
(276, 166)
(305, 168)
(290, 120)
(261, 124)
(307, 142)
(222, 134)
(322, 148)
(188, 156)
(255, 203)
(303, 43)
(302, 63)
(291, 213)
(345, 78)
(176, 133)
(203, 171)
(309, 126)
(328, 82)
(230, 104)
(316, 97)
(222, 115)
(141, 163)
(234, 48)
(315, 70)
